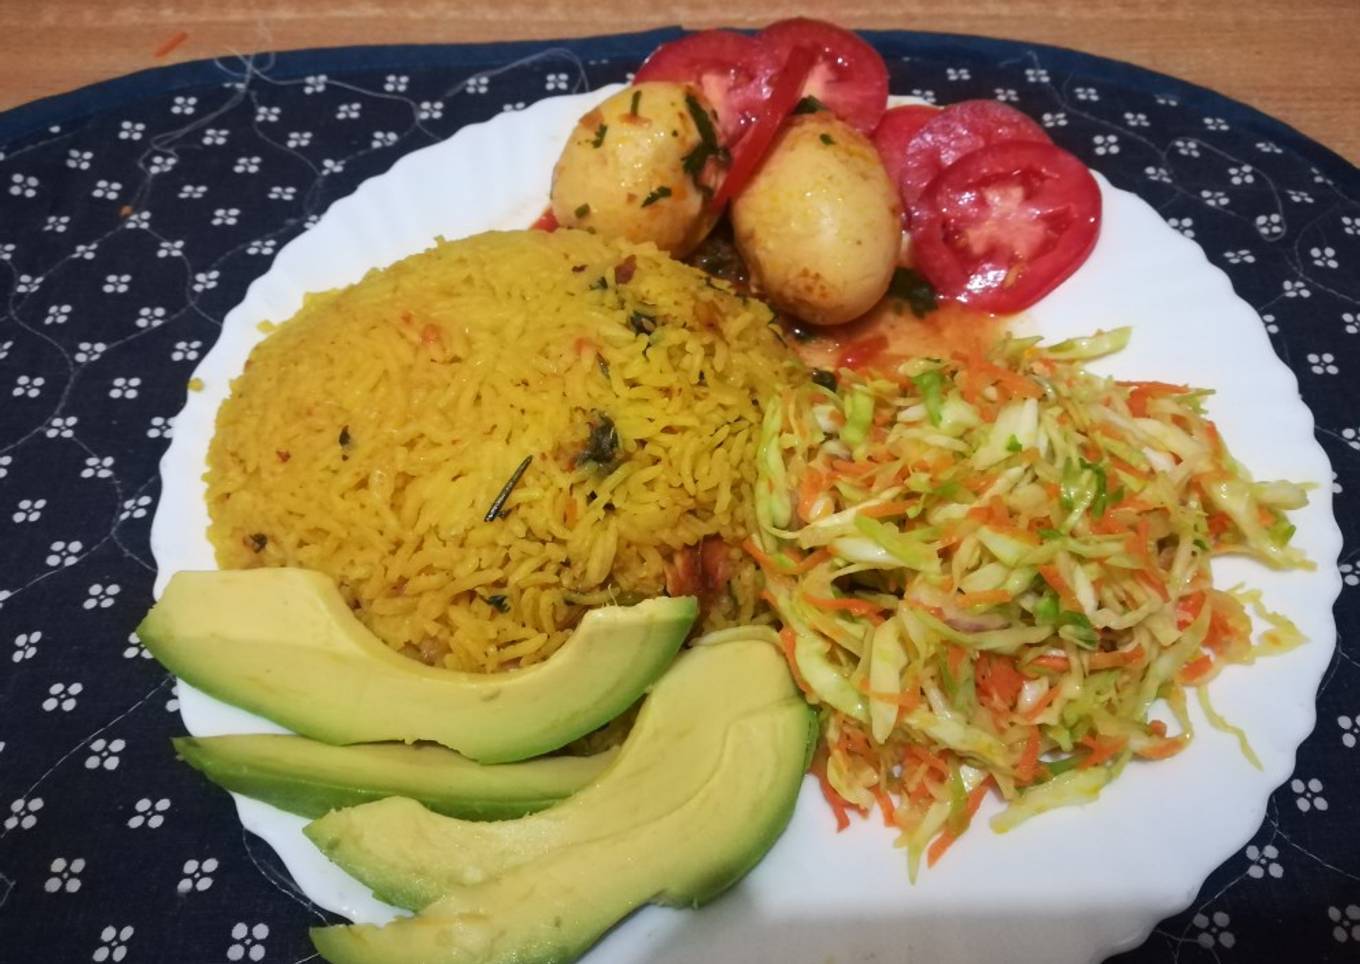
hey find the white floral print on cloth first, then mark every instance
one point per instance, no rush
(104, 837)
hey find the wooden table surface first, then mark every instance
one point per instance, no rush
(1295, 61)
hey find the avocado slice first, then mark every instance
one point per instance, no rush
(411, 857)
(309, 778)
(282, 643)
(554, 909)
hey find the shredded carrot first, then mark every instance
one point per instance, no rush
(930, 760)
(1101, 749)
(1136, 543)
(811, 561)
(1143, 392)
(171, 42)
(885, 804)
(763, 559)
(1163, 749)
(945, 840)
(983, 597)
(810, 488)
(1150, 580)
(1195, 670)
(1034, 712)
(845, 467)
(1157, 728)
(1188, 609)
(1059, 664)
(1027, 767)
(1059, 585)
(838, 805)
(957, 657)
(998, 680)
(1128, 657)
(861, 607)
(907, 699)
(787, 642)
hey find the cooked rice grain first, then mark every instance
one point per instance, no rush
(369, 435)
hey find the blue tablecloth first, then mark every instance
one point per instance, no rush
(134, 214)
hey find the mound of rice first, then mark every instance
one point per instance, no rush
(369, 436)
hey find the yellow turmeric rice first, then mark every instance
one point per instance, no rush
(370, 435)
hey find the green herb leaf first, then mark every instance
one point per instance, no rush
(1201, 545)
(708, 145)
(1013, 444)
(1048, 535)
(827, 139)
(662, 192)
(931, 386)
(498, 505)
(582, 210)
(599, 135)
(910, 285)
(808, 105)
(642, 323)
(602, 444)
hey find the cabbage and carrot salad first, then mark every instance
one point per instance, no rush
(993, 573)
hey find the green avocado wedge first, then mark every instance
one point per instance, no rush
(554, 909)
(309, 778)
(411, 857)
(283, 644)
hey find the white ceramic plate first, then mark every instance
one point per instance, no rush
(1074, 885)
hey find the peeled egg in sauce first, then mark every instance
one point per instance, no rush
(820, 223)
(622, 172)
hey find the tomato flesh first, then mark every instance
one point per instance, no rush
(895, 131)
(848, 75)
(959, 130)
(735, 72)
(1004, 225)
(750, 151)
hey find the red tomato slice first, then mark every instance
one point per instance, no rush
(894, 133)
(734, 71)
(1005, 225)
(755, 144)
(956, 131)
(849, 76)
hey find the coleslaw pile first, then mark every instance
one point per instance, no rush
(992, 569)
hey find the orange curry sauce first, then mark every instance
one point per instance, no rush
(890, 333)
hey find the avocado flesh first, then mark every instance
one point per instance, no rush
(261, 639)
(411, 857)
(309, 778)
(555, 908)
